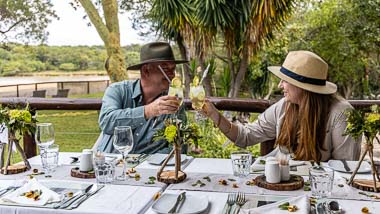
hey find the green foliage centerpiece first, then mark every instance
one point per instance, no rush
(18, 122)
(368, 124)
(177, 134)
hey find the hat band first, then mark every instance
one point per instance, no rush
(302, 78)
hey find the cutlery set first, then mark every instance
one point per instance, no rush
(8, 189)
(177, 206)
(138, 159)
(67, 202)
(237, 199)
(80, 196)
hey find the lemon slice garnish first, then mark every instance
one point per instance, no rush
(195, 81)
(176, 82)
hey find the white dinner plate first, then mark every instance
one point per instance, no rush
(191, 205)
(158, 159)
(338, 166)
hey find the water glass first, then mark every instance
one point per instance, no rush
(241, 163)
(104, 170)
(49, 158)
(321, 181)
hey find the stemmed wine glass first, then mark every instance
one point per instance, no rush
(123, 142)
(44, 138)
(44, 135)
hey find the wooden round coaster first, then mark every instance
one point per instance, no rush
(14, 169)
(295, 182)
(78, 174)
(366, 185)
(168, 177)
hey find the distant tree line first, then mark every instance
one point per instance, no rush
(17, 58)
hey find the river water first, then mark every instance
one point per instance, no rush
(4, 81)
(50, 84)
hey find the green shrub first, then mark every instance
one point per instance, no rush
(214, 143)
(67, 67)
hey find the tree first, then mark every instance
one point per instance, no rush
(244, 25)
(346, 34)
(25, 19)
(108, 31)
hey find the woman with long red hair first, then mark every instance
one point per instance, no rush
(309, 121)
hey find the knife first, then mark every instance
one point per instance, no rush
(73, 199)
(345, 165)
(180, 198)
(67, 200)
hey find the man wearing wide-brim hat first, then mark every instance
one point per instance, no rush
(142, 104)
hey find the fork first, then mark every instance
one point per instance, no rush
(230, 202)
(5, 190)
(240, 201)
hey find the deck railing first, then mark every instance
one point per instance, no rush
(230, 104)
(60, 84)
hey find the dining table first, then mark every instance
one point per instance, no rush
(137, 196)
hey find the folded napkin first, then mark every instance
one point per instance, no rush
(46, 196)
(302, 203)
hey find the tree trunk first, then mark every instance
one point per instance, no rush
(185, 54)
(243, 65)
(109, 33)
(232, 74)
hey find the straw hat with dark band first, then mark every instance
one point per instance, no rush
(155, 52)
(305, 70)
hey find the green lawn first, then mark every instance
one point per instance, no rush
(74, 130)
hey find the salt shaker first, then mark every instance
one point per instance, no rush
(86, 161)
(272, 172)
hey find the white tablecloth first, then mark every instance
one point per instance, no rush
(113, 199)
(138, 199)
(223, 166)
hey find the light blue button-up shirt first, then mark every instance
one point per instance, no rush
(122, 105)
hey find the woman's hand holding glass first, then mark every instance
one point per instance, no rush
(123, 142)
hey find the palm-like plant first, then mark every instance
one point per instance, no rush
(245, 26)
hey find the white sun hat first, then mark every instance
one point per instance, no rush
(305, 70)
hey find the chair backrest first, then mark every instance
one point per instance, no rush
(62, 93)
(39, 93)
